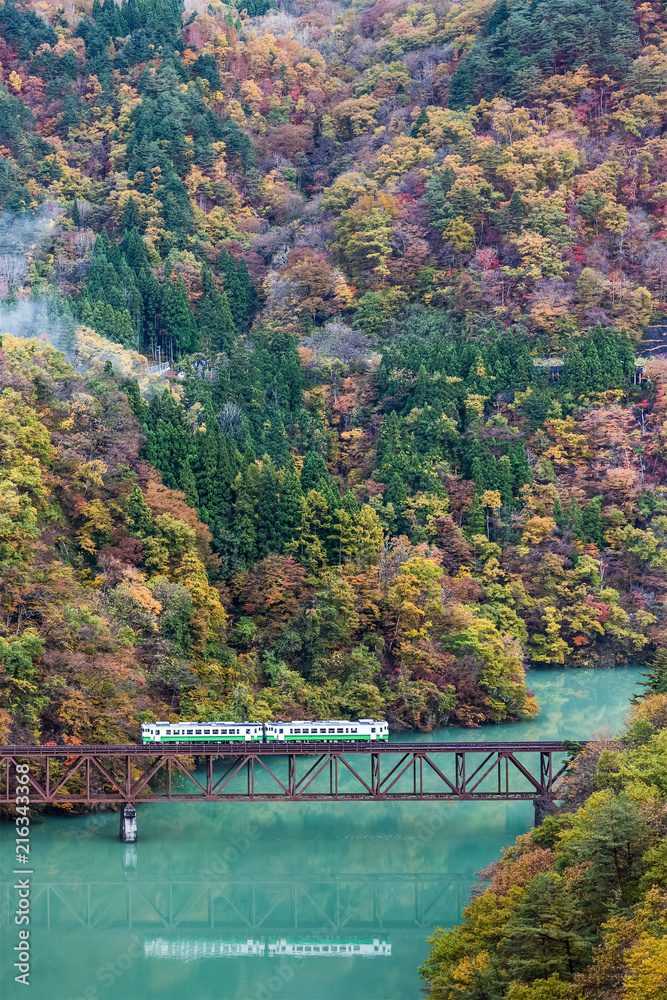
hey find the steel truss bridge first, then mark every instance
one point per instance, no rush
(245, 907)
(387, 772)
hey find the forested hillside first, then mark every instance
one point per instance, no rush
(575, 909)
(327, 381)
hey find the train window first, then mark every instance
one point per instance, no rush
(339, 730)
(353, 730)
(207, 732)
(198, 732)
(347, 730)
(299, 731)
(332, 730)
(280, 730)
(373, 729)
(215, 732)
(189, 732)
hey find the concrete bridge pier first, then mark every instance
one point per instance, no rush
(544, 806)
(128, 823)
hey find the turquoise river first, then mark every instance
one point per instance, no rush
(272, 901)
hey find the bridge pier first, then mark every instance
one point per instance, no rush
(128, 823)
(544, 806)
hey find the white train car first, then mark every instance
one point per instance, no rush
(203, 732)
(327, 731)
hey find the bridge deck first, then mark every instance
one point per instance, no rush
(309, 747)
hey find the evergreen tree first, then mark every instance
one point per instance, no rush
(543, 936)
(269, 535)
(505, 480)
(138, 515)
(422, 119)
(575, 518)
(177, 317)
(559, 516)
(245, 521)
(476, 518)
(276, 440)
(216, 325)
(595, 379)
(591, 522)
(188, 485)
(138, 406)
(460, 87)
(656, 677)
(520, 467)
(291, 495)
(314, 468)
(575, 375)
(130, 216)
(245, 286)
(236, 295)
(350, 504)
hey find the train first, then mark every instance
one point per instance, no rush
(300, 731)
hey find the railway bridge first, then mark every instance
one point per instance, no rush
(296, 772)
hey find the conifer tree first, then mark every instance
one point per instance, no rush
(138, 515)
(130, 216)
(520, 466)
(575, 518)
(245, 521)
(505, 480)
(476, 518)
(595, 379)
(216, 325)
(314, 468)
(422, 119)
(276, 440)
(245, 286)
(269, 536)
(291, 496)
(559, 515)
(591, 522)
(236, 295)
(188, 485)
(177, 317)
(656, 677)
(350, 504)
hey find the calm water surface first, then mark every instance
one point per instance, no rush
(273, 901)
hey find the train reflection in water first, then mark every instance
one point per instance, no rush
(185, 950)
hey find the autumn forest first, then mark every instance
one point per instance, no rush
(333, 383)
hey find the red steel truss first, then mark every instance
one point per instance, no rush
(385, 772)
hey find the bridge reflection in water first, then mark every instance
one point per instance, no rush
(360, 906)
(190, 950)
